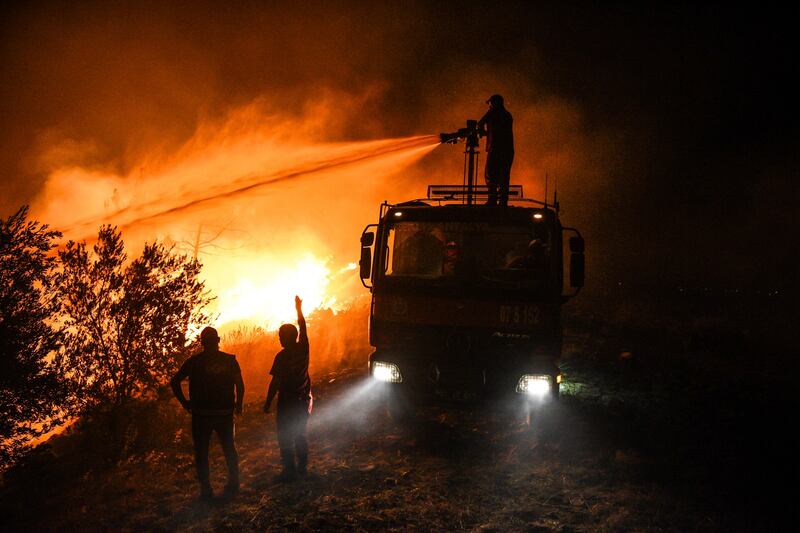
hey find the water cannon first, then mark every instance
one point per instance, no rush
(471, 134)
(451, 138)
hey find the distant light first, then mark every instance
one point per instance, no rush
(387, 372)
(558, 378)
(537, 216)
(537, 385)
(398, 213)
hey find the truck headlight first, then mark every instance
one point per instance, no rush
(387, 372)
(537, 385)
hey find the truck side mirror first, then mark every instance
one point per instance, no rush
(577, 262)
(577, 269)
(365, 263)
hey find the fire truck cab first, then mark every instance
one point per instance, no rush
(466, 297)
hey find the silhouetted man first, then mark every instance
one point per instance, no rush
(214, 376)
(292, 384)
(496, 125)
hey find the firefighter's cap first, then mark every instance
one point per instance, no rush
(495, 99)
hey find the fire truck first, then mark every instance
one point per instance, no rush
(466, 297)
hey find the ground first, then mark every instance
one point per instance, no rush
(454, 470)
(643, 438)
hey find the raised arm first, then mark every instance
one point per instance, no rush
(301, 320)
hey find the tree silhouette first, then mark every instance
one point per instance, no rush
(126, 324)
(31, 388)
(204, 240)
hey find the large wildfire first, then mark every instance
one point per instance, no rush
(273, 200)
(250, 197)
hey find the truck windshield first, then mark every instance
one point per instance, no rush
(477, 250)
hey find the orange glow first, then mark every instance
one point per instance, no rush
(263, 291)
(269, 207)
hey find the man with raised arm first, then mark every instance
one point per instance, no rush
(216, 391)
(292, 384)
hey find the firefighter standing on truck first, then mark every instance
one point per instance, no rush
(290, 380)
(497, 126)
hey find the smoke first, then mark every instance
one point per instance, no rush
(271, 208)
(244, 136)
(641, 116)
(270, 204)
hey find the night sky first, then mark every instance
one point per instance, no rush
(688, 115)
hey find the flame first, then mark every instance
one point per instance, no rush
(263, 292)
